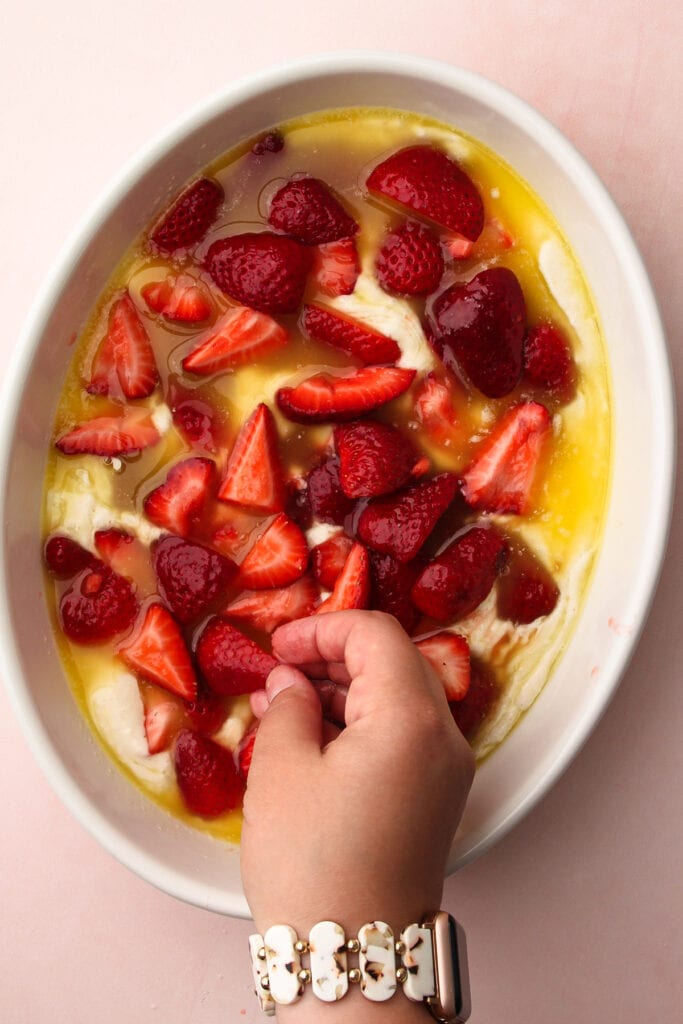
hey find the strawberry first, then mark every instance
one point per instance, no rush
(242, 335)
(323, 398)
(458, 248)
(392, 582)
(271, 142)
(526, 591)
(278, 558)
(254, 475)
(324, 495)
(352, 588)
(268, 609)
(158, 652)
(456, 582)
(164, 717)
(189, 218)
(374, 458)
(435, 410)
(111, 436)
(432, 185)
(207, 777)
(195, 417)
(124, 363)
(399, 525)
(244, 752)
(477, 704)
(548, 361)
(230, 662)
(329, 557)
(410, 261)
(479, 330)
(206, 713)
(336, 267)
(265, 271)
(65, 558)
(178, 501)
(502, 474)
(306, 209)
(98, 605)
(449, 655)
(343, 332)
(190, 576)
(126, 555)
(181, 298)
(297, 504)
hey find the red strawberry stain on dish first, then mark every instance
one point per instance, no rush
(410, 261)
(457, 580)
(189, 218)
(230, 662)
(208, 779)
(124, 364)
(191, 577)
(259, 269)
(306, 209)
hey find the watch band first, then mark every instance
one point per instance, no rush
(428, 961)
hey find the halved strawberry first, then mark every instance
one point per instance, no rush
(428, 182)
(190, 576)
(336, 267)
(110, 436)
(158, 652)
(65, 558)
(164, 717)
(244, 752)
(456, 582)
(350, 335)
(268, 609)
(189, 218)
(400, 524)
(548, 361)
(264, 271)
(352, 588)
(177, 502)
(329, 557)
(207, 776)
(527, 590)
(374, 458)
(124, 363)
(392, 582)
(306, 209)
(502, 474)
(206, 713)
(278, 558)
(435, 409)
(98, 605)
(478, 702)
(128, 556)
(242, 335)
(410, 261)
(449, 655)
(180, 298)
(323, 398)
(323, 498)
(230, 662)
(254, 475)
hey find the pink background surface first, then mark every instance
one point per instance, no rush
(577, 914)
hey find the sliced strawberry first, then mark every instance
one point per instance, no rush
(190, 576)
(410, 261)
(449, 655)
(548, 361)
(98, 605)
(323, 398)
(268, 609)
(126, 555)
(264, 271)
(329, 557)
(392, 582)
(435, 409)
(428, 182)
(278, 558)
(479, 701)
(336, 267)
(65, 558)
(244, 752)
(124, 363)
(479, 330)
(254, 475)
(325, 498)
(207, 776)
(158, 652)
(110, 436)
(374, 458)
(526, 591)
(459, 248)
(271, 142)
(456, 582)
(164, 717)
(352, 588)
(242, 335)
(181, 299)
(344, 332)
(177, 502)
(502, 475)
(230, 662)
(306, 209)
(400, 524)
(189, 218)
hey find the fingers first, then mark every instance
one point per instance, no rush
(290, 717)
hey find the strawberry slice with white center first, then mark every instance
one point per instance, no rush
(242, 335)
(449, 655)
(110, 436)
(178, 501)
(181, 299)
(435, 409)
(502, 475)
(336, 267)
(323, 398)
(165, 716)
(124, 363)
(352, 589)
(159, 653)
(254, 477)
(344, 332)
(278, 558)
(268, 609)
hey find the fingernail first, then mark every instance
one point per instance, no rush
(281, 678)
(259, 703)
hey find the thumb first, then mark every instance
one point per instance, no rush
(293, 718)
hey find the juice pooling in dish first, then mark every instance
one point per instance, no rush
(353, 365)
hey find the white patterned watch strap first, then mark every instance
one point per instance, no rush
(283, 964)
(377, 961)
(418, 961)
(327, 948)
(260, 971)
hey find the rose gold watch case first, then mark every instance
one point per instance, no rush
(451, 1004)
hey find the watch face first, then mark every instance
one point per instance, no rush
(452, 1004)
